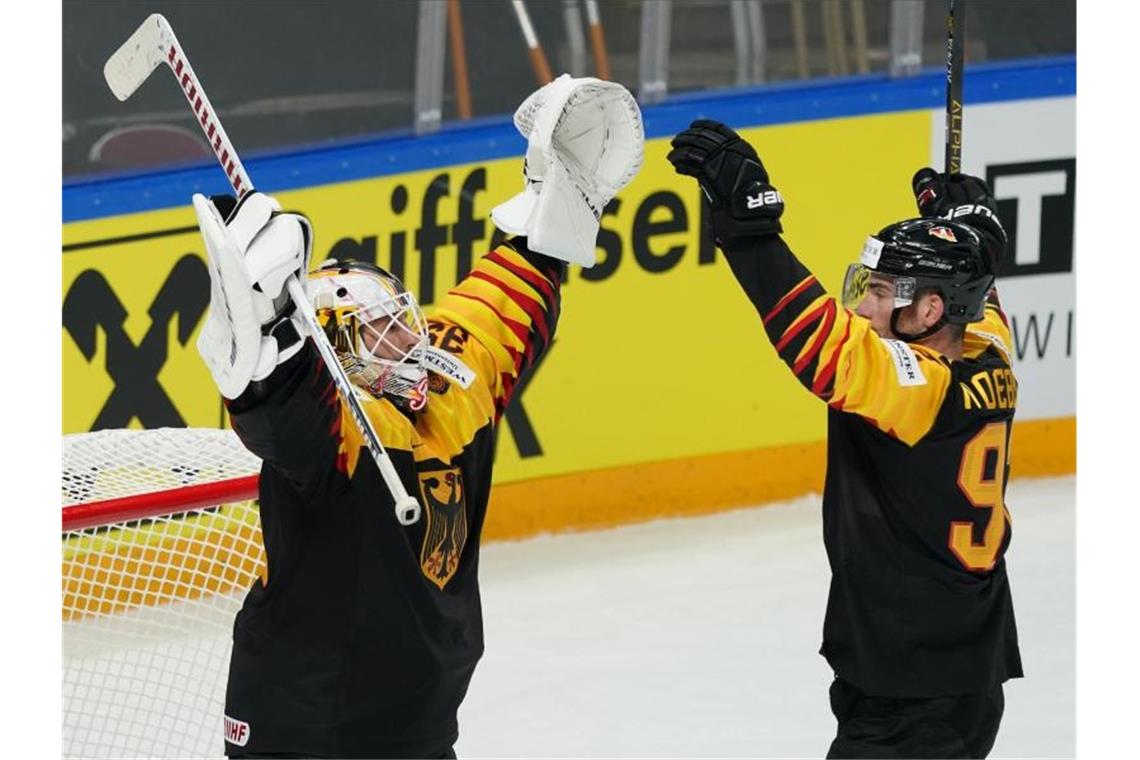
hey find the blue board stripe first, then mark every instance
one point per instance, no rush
(493, 138)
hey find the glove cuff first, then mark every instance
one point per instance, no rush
(279, 343)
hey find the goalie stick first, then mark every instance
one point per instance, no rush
(154, 43)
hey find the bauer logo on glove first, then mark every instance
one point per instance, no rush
(732, 178)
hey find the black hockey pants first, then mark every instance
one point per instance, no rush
(885, 727)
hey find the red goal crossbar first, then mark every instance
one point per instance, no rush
(158, 503)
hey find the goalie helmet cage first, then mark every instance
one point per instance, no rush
(161, 539)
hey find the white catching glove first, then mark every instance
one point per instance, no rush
(585, 142)
(252, 251)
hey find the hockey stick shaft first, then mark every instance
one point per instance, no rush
(597, 40)
(154, 43)
(407, 508)
(458, 59)
(955, 55)
(538, 61)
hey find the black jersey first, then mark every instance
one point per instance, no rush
(914, 515)
(364, 638)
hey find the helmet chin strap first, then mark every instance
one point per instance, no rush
(919, 336)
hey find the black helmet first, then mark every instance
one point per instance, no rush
(948, 257)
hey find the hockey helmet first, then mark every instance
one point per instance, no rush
(376, 328)
(919, 254)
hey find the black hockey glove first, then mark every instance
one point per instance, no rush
(734, 181)
(963, 198)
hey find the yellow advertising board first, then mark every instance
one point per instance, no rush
(660, 364)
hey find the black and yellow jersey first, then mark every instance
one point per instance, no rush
(914, 515)
(364, 639)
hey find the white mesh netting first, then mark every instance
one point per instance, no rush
(150, 592)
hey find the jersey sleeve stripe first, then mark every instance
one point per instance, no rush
(821, 337)
(789, 297)
(517, 329)
(823, 385)
(534, 278)
(519, 266)
(809, 319)
(326, 395)
(531, 307)
(541, 273)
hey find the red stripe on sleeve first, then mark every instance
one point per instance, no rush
(534, 278)
(503, 400)
(812, 352)
(529, 305)
(829, 368)
(810, 319)
(518, 328)
(797, 290)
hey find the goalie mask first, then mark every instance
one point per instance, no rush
(376, 328)
(909, 257)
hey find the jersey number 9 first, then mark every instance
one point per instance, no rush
(981, 478)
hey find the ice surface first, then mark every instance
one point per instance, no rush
(698, 637)
(678, 638)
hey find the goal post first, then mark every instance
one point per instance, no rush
(160, 541)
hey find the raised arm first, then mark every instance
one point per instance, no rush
(968, 199)
(281, 400)
(584, 144)
(509, 305)
(833, 352)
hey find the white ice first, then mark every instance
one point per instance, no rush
(698, 637)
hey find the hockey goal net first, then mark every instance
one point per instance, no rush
(161, 539)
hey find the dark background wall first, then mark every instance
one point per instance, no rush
(293, 73)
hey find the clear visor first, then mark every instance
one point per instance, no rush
(862, 282)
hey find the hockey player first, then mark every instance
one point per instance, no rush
(914, 366)
(363, 638)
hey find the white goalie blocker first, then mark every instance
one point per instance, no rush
(585, 142)
(250, 257)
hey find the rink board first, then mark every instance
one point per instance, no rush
(660, 393)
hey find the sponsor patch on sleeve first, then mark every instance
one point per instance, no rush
(906, 363)
(449, 366)
(237, 731)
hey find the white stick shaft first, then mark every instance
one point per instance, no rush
(524, 22)
(592, 17)
(207, 119)
(407, 507)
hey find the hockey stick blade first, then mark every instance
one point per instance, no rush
(154, 43)
(131, 65)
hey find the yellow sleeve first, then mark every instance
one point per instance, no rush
(897, 386)
(992, 330)
(833, 352)
(509, 304)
